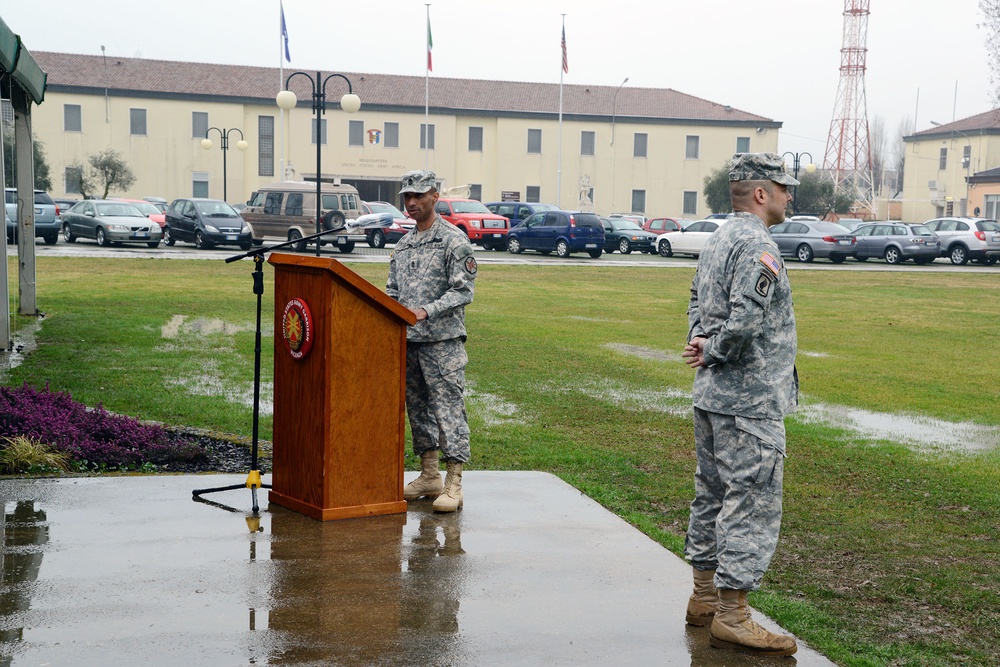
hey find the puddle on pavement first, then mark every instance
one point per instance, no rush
(644, 352)
(492, 409)
(25, 342)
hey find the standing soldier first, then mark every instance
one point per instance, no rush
(432, 272)
(742, 343)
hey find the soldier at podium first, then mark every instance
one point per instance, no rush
(432, 272)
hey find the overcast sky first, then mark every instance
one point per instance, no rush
(778, 59)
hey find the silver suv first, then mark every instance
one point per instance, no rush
(964, 238)
(47, 223)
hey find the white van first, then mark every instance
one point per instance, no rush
(287, 211)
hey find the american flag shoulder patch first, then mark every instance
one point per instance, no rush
(768, 260)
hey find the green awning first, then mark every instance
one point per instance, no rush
(20, 64)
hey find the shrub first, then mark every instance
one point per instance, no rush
(92, 437)
(26, 455)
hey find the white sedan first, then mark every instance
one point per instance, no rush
(688, 241)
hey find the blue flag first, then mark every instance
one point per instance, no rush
(284, 32)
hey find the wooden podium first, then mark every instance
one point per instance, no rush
(339, 391)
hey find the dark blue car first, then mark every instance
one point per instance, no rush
(562, 232)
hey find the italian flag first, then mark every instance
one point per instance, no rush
(430, 45)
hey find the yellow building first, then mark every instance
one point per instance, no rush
(941, 163)
(627, 149)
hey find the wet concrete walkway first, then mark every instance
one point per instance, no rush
(132, 571)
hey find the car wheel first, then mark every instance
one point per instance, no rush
(346, 248)
(514, 246)
(989, 261)
(597, 253)
(102, 238)
(958, 254)
(804, 253)
(153, 244)
(295, 237)
(200, 241)
(168, 237)
(377, 239)
(562, 248)
(624, 247)
(892, 255)
(665, 250)
(837, 259)
(333, 220)
(246, 245)
(51, 239)
(68, 235)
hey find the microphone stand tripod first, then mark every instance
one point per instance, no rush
(253, 478)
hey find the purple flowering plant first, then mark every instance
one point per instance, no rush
(95, 439)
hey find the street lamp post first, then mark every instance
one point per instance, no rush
(809, 167)
(349, 102)
(968, 163)
(206, 143)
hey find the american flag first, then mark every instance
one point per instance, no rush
(565, 57)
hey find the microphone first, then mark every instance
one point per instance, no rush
(370, 221)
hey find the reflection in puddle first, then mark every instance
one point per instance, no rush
(924, 432)
(644, 352)
(23, 534)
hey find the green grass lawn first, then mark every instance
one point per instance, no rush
(889, 554)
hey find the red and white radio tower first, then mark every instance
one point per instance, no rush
(848, 150)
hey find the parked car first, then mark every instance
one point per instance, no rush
(158, 202)
(378, 237)
(822, 240)
(148, 209)
(689, 241)
(206, 223)
(897, 242)
(665, 225)
(47, 223)
(634, 217)
(518, 211)
(850, 223)
(482, 226)
(720, 216)
(965, 238)
(625, 236)
(564, 232)
(287, 210)
(109, 222)
(63, 204)
(804, 218)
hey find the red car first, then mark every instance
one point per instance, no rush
(482, 226)
(665, 225)
(147, 209)
(378, 237)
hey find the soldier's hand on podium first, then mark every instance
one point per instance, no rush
(420, 313)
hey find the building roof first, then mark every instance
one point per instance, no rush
(987, 122)
(139, 77)
(987, 176)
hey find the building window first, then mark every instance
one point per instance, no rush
(638, 201)
(476, 191)
(966, 156)
(427, 136)
(137, 121)
(690, 203)
(742, 144)
(991, 202)
(199, 124)
(639, 144)
(533, 193)
(691, 148)
(534, 141)
(586, 143)
(391, 135)
(265, 145)
(356, 133)
(476, 140)
(943, 162)
(72, 118)
(72, 176)
(322, 131)
(199, 184)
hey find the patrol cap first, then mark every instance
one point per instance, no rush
(419, 181)
(760, 167)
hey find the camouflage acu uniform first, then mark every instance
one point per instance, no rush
(435, 270)
(741, 302)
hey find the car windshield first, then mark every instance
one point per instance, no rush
(118, 209)
(621, 223)
(386, 208)
(988, 226)
(469, 207)
(216, 209)
(921, 230)
(145, 208)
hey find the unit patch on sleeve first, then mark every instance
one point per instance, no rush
(768, 260)
(470, 265)
(764, 282)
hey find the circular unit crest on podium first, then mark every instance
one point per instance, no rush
(297, 328)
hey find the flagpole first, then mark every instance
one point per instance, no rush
(562, 70)
(427, 92)
(281, 85)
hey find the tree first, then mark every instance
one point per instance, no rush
(717, 190)
(107, 170)
(43, 180)
(816, 195)
(878, 142)
(990, 24)
(899, 150)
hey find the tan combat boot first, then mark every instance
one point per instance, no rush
(733, 628)
(451, 498)
(704, 601)
(429, 483)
